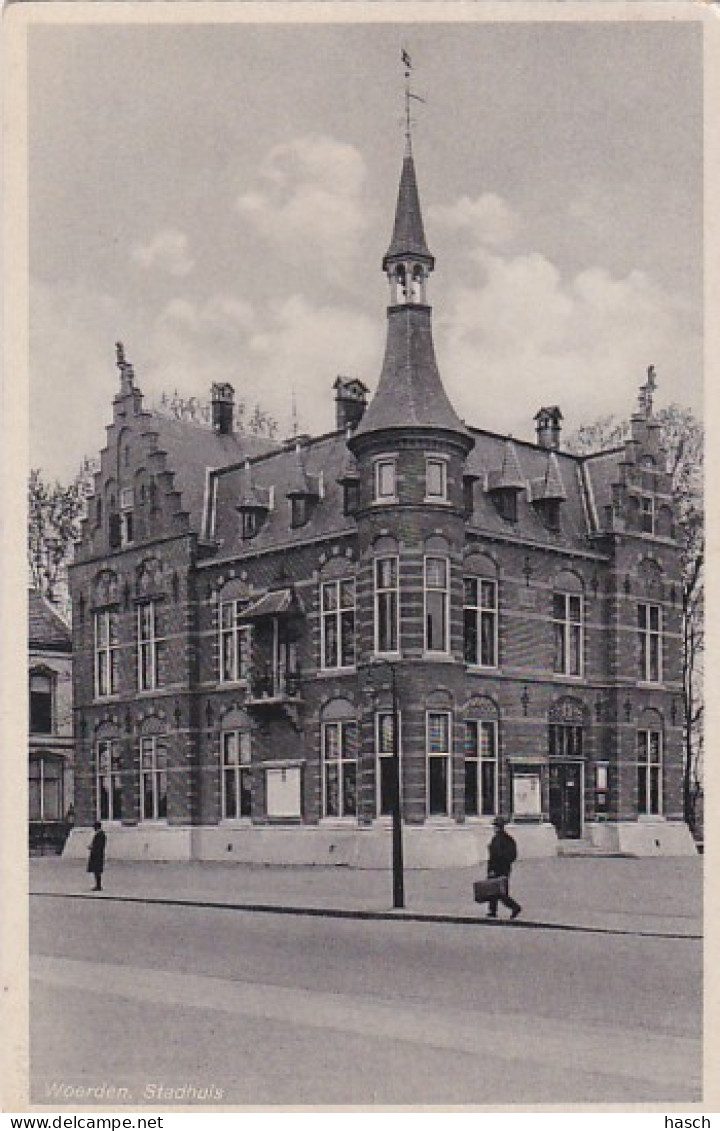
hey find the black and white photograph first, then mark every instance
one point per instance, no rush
(363, 555)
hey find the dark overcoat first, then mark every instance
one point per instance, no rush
(502, 854)
(96, 860)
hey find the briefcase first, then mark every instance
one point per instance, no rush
(483, 890)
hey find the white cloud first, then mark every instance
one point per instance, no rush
(524, 336)
(486, 220)
(310, 205)
(166, 252)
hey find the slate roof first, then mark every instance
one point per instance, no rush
(193, 449)
(328, 454)
(410, 391)
(46, 628)
(601, 473)
(408, 236)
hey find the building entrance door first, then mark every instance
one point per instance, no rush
(566, 798)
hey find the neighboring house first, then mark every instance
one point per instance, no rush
(250, 634)
(51, 724)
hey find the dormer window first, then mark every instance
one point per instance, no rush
(506, 504)
(351, 497)
(385, 487)
(436, 480)
(249, 524)
(647, 514)
(299, 510)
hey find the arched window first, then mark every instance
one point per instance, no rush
(649, 748)
(236, 765)
(480, 719)
(480, 612)
(568, 624)
(339, 758)
(108, 775)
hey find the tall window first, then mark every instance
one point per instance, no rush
(384, 745)
(149, 646)
(106, 652)
(568, 633)
(438, 763)
(45, 789)
(481, 773)
(647, 514)
(337, 612)
(153, 778)
(41, 703)
(480, 622)
(566, 740)
(649, 772)
(436, 480)
(108, 781)
(385, 480)
(236, 774)
(340, 754)
(127, 502)
(386, 605)
(650, 643)
(436, 605)
(235, 643)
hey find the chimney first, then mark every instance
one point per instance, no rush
(547, 424)
(223, 409)
(350, 402)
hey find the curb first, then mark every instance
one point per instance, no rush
(399, 915)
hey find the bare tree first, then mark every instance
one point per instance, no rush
(54, 514)
(683, 441)
(258, 422)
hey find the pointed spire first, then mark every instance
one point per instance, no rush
(408, 238)
(250, 498)
(301, 485)
(550, 486)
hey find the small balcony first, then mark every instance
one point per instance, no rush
(274, 687)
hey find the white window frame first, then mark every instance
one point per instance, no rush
(239, 743)
(110, 778)
(380, 465)
(238, 639)
(381, 754)
(337, 617)
(434, 754)
(647, 637)
(379, 592)
(339, 762)
(44, 761)
(158, 775)
(441, 463)
(105, 652)
(148, 647)
(569, 625)
(481, 611)
(653, 770)
(482, 728)
(127, 505)
(445, 594)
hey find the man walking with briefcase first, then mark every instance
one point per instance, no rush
(502, 854)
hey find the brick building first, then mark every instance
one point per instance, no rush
(50, 782)
(252, 629)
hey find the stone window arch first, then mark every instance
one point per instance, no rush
(340, 745)
(650, 576)
(481, 750)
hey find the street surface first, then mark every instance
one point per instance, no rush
(220, 1005)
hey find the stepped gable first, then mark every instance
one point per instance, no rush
(193, 450)
(276, 472)
(46, 628)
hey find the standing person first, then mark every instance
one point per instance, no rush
(502, 854)
(96, 860)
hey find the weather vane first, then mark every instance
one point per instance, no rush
(407, 63)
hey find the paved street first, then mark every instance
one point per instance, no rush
(253, 1007)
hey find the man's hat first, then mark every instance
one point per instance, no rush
(499, 822)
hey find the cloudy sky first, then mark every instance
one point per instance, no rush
(220, 198)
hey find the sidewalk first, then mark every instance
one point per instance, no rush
(661, 897)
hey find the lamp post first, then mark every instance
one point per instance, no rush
(398, 879)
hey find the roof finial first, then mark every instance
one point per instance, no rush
(127, 374)
(645, 394)
(407, 63)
